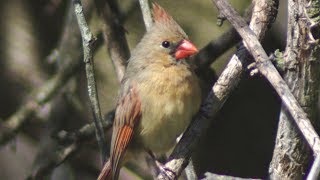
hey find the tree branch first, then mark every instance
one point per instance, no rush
(302, 76)
(114, 35)
(217, 96)
(315, 169)
(145, 9)
(87, 43)
(39, 97)
(217, 47)
(267, 69)
(70, 143)
(211, 176)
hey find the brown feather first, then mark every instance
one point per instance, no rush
(105, 173)
(127, 116)
(159, 14)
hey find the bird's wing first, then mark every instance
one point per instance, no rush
(128, 114)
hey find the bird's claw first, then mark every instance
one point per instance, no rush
(166, 173)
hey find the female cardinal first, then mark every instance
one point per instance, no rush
(159, 94)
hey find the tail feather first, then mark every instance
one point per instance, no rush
(106, 172)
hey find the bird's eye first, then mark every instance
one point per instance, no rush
(165, 44)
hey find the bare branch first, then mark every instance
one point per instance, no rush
(267, 69)
(145, 9)
(217, 47)
(315, 169)
(67, 50)
(83, 134)
(216, 98)
(211, 176)
(114, 35)
(190, 171)
(70, 143)
(87, 42)
(302, 76)
(56, 159)
(40, 97)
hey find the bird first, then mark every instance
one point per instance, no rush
(158, 96)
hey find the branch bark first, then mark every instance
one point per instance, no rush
(39, 97)
(315, 170)
(291, 155)
(217, 47)
(114, 35)
(267, 69)
(71, 142)
(218, 95)
(87, 43)
(146, 14)
(211, 176)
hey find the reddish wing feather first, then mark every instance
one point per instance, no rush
(105, 173)
(127, 116)
(124, 136)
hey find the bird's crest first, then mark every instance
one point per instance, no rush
(165, 23)
(159, 14)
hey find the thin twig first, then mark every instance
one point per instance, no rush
(145, 9)
(217, 47)
(212, 176)
(40, 97)
(114, 35)
(213, 103)
(190, 171)
(56, 158)
(315, 169)
(302, 76)
(267, 69)
(87, 42)
(70, 143)
(66, 51)
(83, 134)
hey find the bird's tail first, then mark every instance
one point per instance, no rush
(106, 172)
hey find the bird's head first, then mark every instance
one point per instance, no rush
(170, 36)
(166, 39)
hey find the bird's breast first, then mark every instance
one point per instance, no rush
(169, 99)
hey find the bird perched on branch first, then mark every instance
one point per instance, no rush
(159, 94)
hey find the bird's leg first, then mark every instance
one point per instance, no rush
(161, 169)
(158, 164)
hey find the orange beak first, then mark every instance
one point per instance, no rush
(185, 49)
